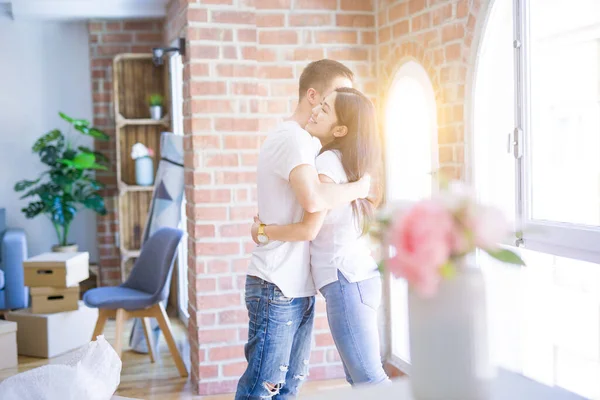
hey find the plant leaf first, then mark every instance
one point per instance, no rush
(101, 158)
(47, 138)
(94, 184)
(62, 210)
(93, 132)
(34, 209)
(49, 155)
(84, 160)
(98, 166)
(75, 122)
(95, 202)
(24, 184)
(81, 161)
(506, 256)
(98, 134)
(448, 270)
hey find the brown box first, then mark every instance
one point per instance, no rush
(8, 344)
(56, 269)
(45, 300)
(49, 335)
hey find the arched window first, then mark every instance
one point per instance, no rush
(411, 162)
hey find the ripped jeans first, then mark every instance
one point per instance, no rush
(279, 341)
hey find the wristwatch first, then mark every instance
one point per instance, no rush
(262, 236)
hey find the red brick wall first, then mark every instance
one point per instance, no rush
(241, 72)
(108, 38)
(439, 35)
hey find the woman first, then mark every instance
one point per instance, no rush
(341, 264)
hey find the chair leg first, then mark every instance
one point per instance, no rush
(121, 318)
(149, 340)
(100, 322)
(165, 327)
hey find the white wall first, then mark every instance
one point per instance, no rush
(44, 68)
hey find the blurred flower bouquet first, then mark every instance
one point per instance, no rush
(138, 150)
(427, 243)
(428, 240)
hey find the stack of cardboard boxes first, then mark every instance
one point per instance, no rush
(53, 279)
(57, 321)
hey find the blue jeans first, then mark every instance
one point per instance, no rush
(279, 340)
(352, 314)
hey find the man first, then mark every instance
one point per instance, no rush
(279, 287)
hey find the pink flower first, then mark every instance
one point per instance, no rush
(422, 238)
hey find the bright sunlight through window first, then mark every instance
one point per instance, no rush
(411, 146)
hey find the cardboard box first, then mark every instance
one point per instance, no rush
(56, 269)
(45, 300)
(8, 344)
(49, 335)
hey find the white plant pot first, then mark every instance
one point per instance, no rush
(449, 340)
(144, 171)
(156, 112)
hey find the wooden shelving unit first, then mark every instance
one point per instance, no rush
(135, 78)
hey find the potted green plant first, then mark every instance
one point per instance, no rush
(69, 182)
(156, 104)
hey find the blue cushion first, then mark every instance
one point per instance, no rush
(1, 279)
(117, 297)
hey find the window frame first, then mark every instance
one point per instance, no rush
(551, 237)
(176, 87)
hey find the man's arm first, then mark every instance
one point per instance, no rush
(307, 229)
(315, 196)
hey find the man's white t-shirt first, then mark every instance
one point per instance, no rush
(339, 244)
(285, 264)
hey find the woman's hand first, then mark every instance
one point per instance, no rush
(254, 229)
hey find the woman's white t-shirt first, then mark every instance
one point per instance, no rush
(339, 245)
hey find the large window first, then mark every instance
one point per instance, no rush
(559, 115)
(538, 78)
(411, 145)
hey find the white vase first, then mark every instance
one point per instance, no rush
(144, 171)
(156, 112)
(449, 340)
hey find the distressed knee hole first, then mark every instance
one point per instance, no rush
(273, 389)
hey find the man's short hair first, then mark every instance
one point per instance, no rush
(319, 75)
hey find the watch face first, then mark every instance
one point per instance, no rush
(263, 238)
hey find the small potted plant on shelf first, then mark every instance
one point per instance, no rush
(144, 167)
(156, 104)
(69, 182)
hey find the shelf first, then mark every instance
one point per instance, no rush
(133, 215)
(165, 121)
(130, 253)
(124, 188)
(135, 79)
(128, 135)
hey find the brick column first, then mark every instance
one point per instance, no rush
(240, 78)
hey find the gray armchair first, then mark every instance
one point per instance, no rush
(13, 251)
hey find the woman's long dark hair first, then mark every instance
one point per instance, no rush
(360, 149)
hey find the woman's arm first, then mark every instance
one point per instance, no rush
(307, 229)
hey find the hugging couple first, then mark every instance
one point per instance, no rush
(315, 203)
